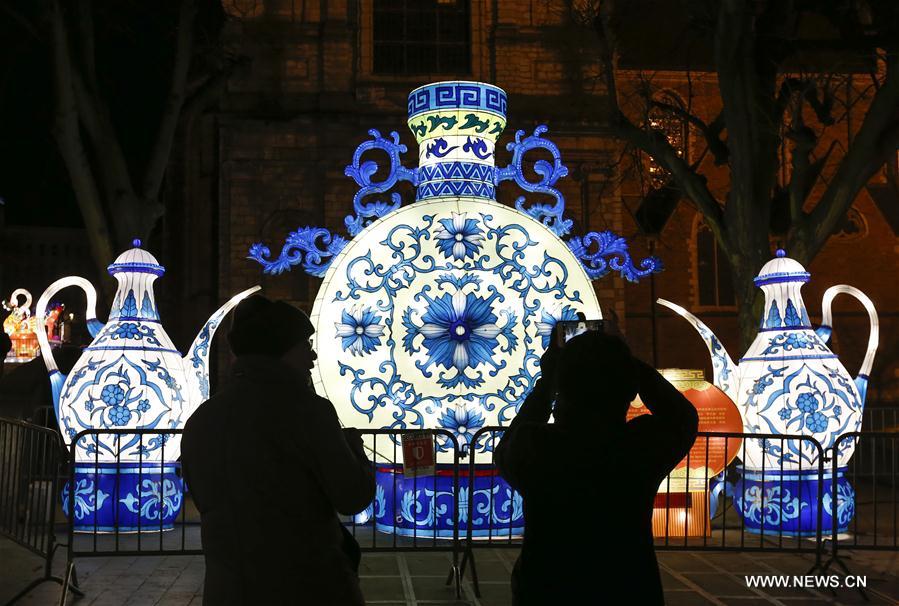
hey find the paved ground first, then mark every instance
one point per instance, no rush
(418, 579)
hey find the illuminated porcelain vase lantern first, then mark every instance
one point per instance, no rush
(435, 314)
(790, 383)
(129, 377)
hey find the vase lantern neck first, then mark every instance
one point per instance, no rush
(456, 125)
(781, 280)
(135, 270)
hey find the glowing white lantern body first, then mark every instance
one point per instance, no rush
(435, 314)
(130, 377)
(789, 383)
(416, 330)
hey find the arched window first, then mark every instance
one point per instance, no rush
(675, 129)
(714, 287)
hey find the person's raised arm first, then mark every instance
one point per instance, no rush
(340, 464)
(519, 449)
(670, 409)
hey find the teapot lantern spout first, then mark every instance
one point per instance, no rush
(725, 371)
(196, 362)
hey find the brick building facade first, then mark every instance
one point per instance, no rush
(323, 74)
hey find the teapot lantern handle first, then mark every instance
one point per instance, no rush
(873, 338)
(57, 378)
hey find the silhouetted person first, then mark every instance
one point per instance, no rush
(269, 469)
(590, 479)
(5, 347)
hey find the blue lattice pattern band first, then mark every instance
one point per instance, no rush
(457, 95)
(457, 171)
(445, 189)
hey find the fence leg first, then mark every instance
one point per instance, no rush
(474, 574)
(67, 583)
(462, 565)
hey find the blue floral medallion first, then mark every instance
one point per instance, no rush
(360, 331)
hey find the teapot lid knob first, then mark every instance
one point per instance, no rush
(778, 253)
(136, 242)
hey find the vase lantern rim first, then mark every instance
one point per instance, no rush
(782, 269)
(136, 260)
(457, 95)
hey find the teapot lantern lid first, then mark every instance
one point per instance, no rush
(136, 260)
(782, 269)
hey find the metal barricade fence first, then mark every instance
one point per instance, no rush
(411, 513)
(739, 509)
(866, 493)
(760, 508)
(880, 418)
(155, 519)
(30, 464)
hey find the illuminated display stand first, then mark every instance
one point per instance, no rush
(790, 383)
(435, 314)
(129, 377)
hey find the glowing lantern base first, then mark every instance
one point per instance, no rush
(786, 502)
(680, 514)
(423, 507)
(124, 497)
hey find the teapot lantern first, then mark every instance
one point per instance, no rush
(790, 383)
(131, 376)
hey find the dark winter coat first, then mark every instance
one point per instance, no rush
(269, 468)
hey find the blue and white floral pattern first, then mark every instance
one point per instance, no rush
(459, 332)
(794, 341)
(460, 237)
(117, 393)
(845, 502)
(87, 496)
(549, 319)
(359, 330)
(771, 506)
(464, 422)
(154, 498)
(806, 402)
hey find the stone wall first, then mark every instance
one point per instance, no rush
(290, 122)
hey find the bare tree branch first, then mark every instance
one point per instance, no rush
(656, 145)
(711, 132)
(68, 136)
(86, 43)
(169, 123)
(876, 139)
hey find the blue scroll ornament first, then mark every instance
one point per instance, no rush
(302, 247)
(611, 254)
(551, 215)
(361, 172)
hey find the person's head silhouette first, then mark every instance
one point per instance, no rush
(272, 328)
(596, 380)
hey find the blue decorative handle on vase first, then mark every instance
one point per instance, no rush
(611, 254)
(302, 247)
(362, 172)
(551, 215)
